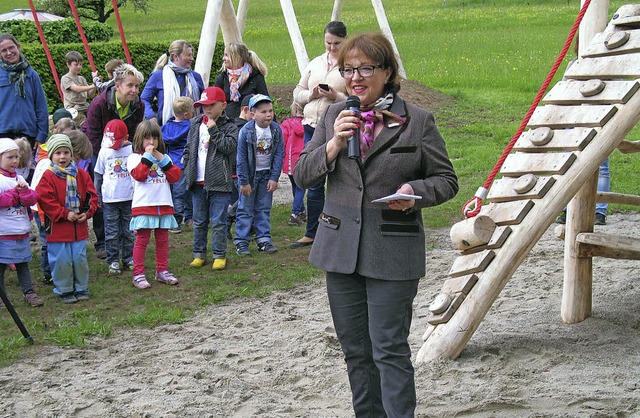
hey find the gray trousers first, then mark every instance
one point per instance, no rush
(372, 319)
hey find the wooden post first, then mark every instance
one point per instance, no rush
(594, 21)
(241, 17)
(336, 14)
(294, 33)
(208, 36)
(386, 30)
(229, 24)
(578, 271)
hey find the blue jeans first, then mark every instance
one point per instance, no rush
(315, 195)
(255, 209)
(209, 207)
(119, 237)
(298, 197)
(69, 267)
(182, 200)
(372, 320)
(604, 185)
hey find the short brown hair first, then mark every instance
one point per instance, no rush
(182, 105)
(376, 47)
(111, 66)
(82, 147)
(73, 56)
(148, 129)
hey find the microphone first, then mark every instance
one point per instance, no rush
(353, 142)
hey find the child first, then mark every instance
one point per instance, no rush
(115, 192)
(110, 68)
(259, 163)
(75, 89)
(152, 207)
(208, 157)
(174, 134)
(293, 134)
(15, 225)
(68, 199)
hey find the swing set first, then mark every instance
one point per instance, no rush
(85, 42)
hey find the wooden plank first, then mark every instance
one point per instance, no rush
(594, 244)
(498, 238)
(473, 263)
(507, 213)
(568, 93)
(502, 190)
(462, 284)
(560, 117)
(618, 198)
(549, 163)
(446, 315)
(605, 68)
(563, 140)
(597, 47)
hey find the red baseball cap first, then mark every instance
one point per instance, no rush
(210, 95)
(114, 134)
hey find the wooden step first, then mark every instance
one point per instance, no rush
(606, 43)
(500, 235)
(572, 92)
(557, 117)
(502, 190)
(561, 140)
(549, 163)
(507, 213)
(605, 68)
(473, 263)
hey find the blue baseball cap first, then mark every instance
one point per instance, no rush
(257, 98)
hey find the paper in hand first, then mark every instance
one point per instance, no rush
(397, 196)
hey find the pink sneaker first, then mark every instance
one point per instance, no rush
(140, 281)
(166, 277)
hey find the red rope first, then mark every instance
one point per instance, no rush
(54, 72)
(473, 206)
(121, 30)
(72, 4)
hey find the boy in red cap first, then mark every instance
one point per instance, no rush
(208, 160)
(115, 193)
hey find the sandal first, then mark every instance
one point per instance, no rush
(140, 281)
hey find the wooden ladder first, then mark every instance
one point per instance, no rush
(582, 120)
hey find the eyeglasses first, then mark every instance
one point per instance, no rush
(364, 71)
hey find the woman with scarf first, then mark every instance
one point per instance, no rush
(321, 72)
(242, 74)
(172, 77)
(374, 253)
(23, 104)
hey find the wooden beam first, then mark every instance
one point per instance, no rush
(241, 17)
(570, 92)
(605, 68)
(386, 31)
(574, 139)
(560, 117)
(593, 244)
(502, 190)
(229, 24)
(336, 14)
(594, 21)
(528, 163)
(618, 198)
(208, 37)
(294, 32)
(578, 271)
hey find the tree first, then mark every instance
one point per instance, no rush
(99, 10)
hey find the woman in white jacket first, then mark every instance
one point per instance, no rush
(319, 87)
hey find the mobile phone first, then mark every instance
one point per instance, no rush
(324, 87)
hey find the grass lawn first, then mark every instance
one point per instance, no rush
(490, 56)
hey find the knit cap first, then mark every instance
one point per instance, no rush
(7, 144)
(58, 141)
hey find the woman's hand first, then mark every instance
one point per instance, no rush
(344, 126)
(403, 204)
(330, 94)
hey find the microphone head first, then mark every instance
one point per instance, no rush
(353, 101)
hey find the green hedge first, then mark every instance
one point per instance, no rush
(143, 54)
(57, 32)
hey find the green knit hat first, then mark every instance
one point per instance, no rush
(58, 141)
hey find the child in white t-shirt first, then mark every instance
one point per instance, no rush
(115, 193)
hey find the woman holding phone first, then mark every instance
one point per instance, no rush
(320, 86)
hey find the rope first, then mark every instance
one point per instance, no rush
(473, 206)
(46, 48)
(121, 30)
(72, 4)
